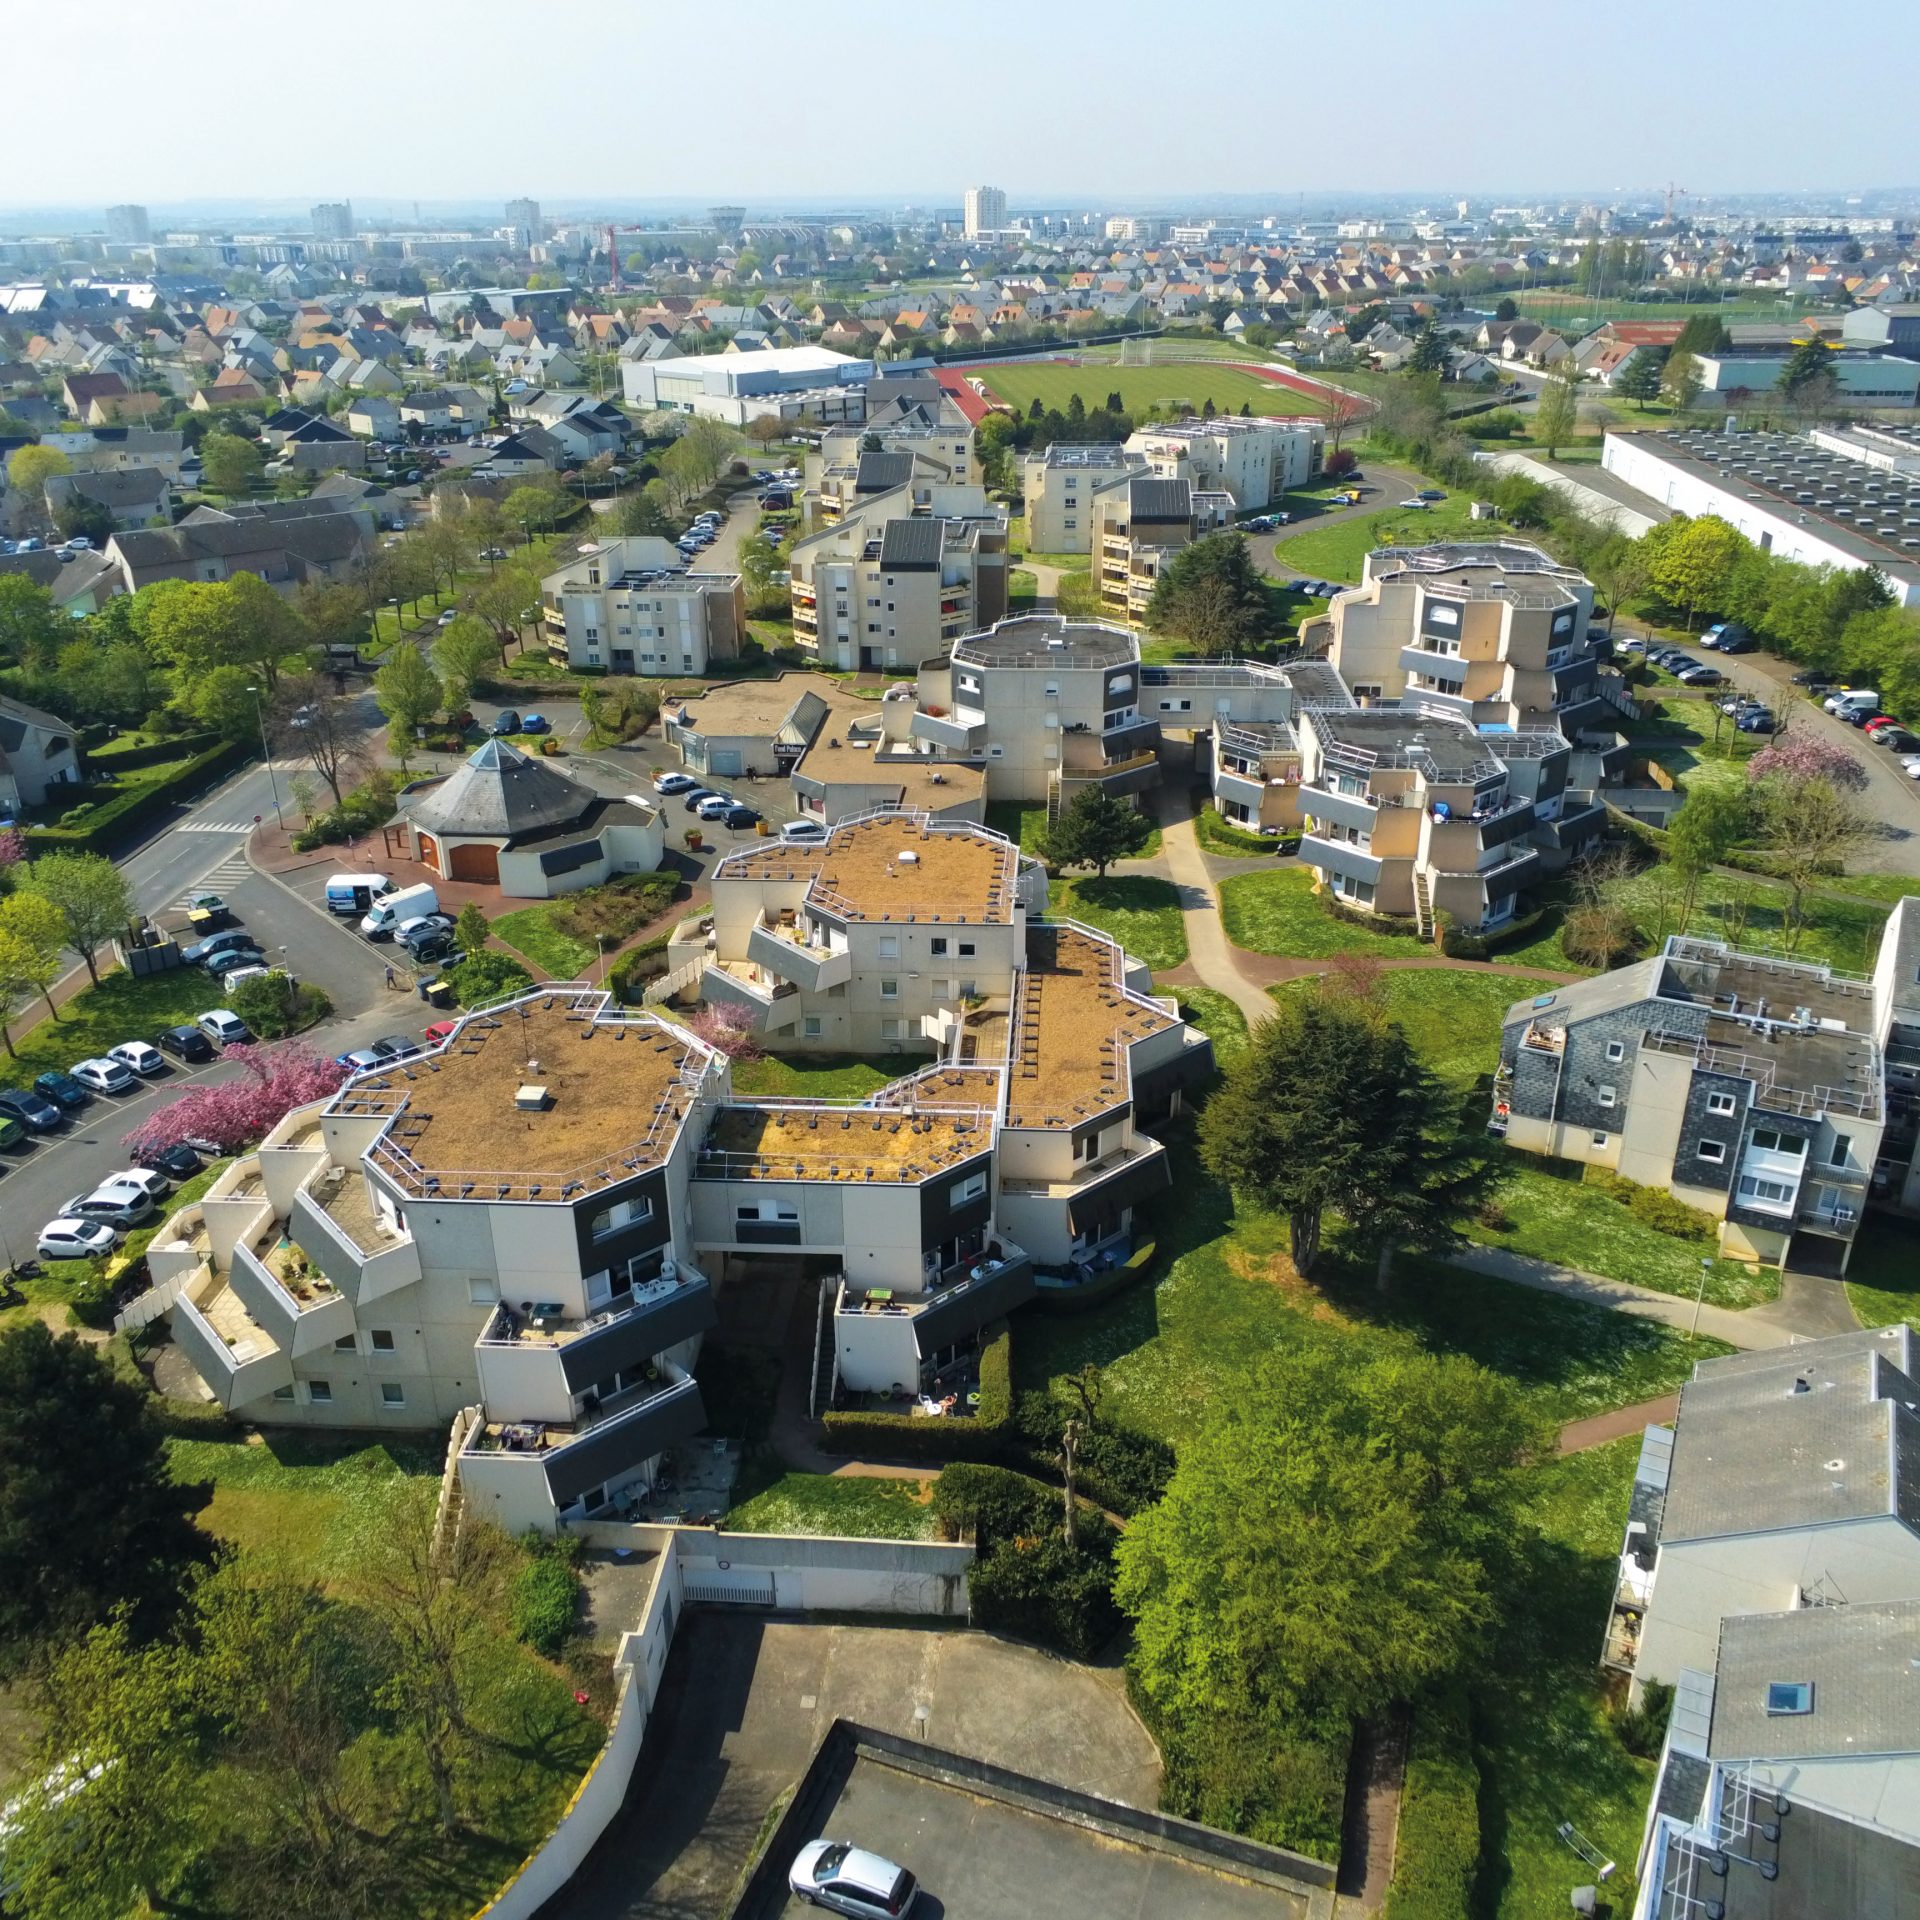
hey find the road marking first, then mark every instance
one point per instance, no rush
(213, 826)
(221, 875)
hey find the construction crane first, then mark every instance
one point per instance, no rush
(1671, 191)
(613, 254)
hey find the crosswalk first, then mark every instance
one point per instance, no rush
(214, 826)
(223, 879)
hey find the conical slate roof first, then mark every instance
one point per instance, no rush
(499, 794)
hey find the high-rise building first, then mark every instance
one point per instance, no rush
(524, 216)
(332, 220)
(128, 225)
(986, 211)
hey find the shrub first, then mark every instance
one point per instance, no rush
(1600, 936)
(482, 977)
(628, 976)
(1043, 1590)
(989, 1504)
(1358, 917)
(545, 1597)
(100, 824)
(1494, 1217)
(361, 811)
(987, 1436)
(1117, 1467)
(1281, 1784)
(619, 909)
(1437, 1853)
(1664, 1214)
(276, 1006)
(1217, 834)
(1643, 1728)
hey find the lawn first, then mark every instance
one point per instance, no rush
(854, 1508)
(530, 932)
(1278, 912)
(1887, 888)
(1020, 821)
(1883, 1277)
(119, 1008)
(824, 1076)
(1231, 842)
(1752, 913)
(1137, 909)
(1547, 1748)
(1554, 1215)
(1219, 1018)
(1053, 384)
(1023, 590)
(1338, 552)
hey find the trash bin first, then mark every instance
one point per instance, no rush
(437, 993)
(763, 828)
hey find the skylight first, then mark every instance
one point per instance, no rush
(1790, 1696)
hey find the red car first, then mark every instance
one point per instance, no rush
(439, 1031)
(1877, 722)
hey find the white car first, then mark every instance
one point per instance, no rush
(69, 1239)
(120, 1208)
(138, 1056)
(156, 1186)
(104, 1075)
(715, 805)
(803, 833)
(674, 783)
(845, 1879)
(1419, 505)
(1910, 765)
(224, 1029)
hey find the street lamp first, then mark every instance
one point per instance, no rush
(1706, 1267)
(260, 713)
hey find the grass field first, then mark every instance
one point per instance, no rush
(1053, 384)
(1883, 1281)
(1219, 1018)
(825, 1076)
(119, 1008)
(1138, 910)
(830, 1504)
(1278, 912)
(1338, 552)
(530, 932)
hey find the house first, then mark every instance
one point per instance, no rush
(630, 606)
(432, 411)
(80, 391)
(373, 416)
(216, 543)
(80, 583)
(533, 450)
(759, 729)
(505, 819)
(315, 445)
(134, 496)
(228, 389)
(37, 757)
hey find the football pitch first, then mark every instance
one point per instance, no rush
(1020, 383)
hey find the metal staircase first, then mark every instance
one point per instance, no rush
(1423, 903)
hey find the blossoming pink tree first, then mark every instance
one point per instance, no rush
(727, 1029)
(235, 1113)
(1804, 756)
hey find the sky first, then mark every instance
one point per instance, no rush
(776, 103)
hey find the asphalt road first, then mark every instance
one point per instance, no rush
(1384, 487)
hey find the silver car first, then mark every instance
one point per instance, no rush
(71, 1239)
(845, 1879)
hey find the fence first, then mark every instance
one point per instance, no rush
(145, 1308)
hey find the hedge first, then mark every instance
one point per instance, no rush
(112, 820)
(1457, 943)
(1216, 834)
(1437, 1853)
(628, 976)
(1398, 923)
(987, 1436)
(1652, 1206)
(110, 757)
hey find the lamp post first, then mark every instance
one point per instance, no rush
(1706, 1267)
(260, 713)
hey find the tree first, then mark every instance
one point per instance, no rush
(533, 509)
(76, 516)
(407, 692)
(1639, 379)
(91, 1517)
(1557, 412)
(1619, 570)
(619, 708)
(230, 464)
(266, 629)
(30, 629)
(505, 602)
(1508, 309)
(1715, 820)
(1801, 756)
(1681, 380)
(92, 897)
(1211, 596)
(331, 735)
(1812, 829)
(1332, 1111)
(1703, 333)
(645, 512)
(1692, 561)
(234, 1113)
(1429, 350)
(1808, 365)
(764, 429)
(28, 471)
(1329, 1541)
(1339, 409)
(1094, 831)
(470, 932)
(465, 649)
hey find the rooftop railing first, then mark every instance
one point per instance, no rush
(1804, 1102)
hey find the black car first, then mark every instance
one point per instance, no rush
(1740, 642)
(430, 949)
(234, 940)
(31, 1109)
(397, 1046)
(1814, 680)
(1759, 721)
(184, 1043)
(693, 799)
(738, 817)
(62, 1089)
(1899, 739)
(178, 1162)
(505, 723)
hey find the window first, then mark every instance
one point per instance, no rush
(320, 1392)
(1721, 1103)
(966, 949)
(970, 1188)
(1616, 1049)
(1606, 1096)
(1842, 1150)
(810, 1027)
(1769, 1140)
(1755, 1187)
(284, 1393)
(344, 1344)
(1789, 1696)
(889, 946)
(624, 1213)
(938, 949)
(382, 1338)
(392, 1394)
(482, 1292)
(1713, 1152)
(1600, 1139)
(889, 989)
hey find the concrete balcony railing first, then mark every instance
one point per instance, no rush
(735, 984)
(1337, 856)
(1448, 667)
(287, 1295)
(338, 1230)
(236, 1357)
(961, 731)
(814, 967)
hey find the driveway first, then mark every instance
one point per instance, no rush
(747, 1700)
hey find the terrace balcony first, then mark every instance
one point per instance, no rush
(287, 1295)
(742, 983)
(1448, 667)
(1338, 856)
(781, 947)
(1340, 809)
(357, 1248)
(956, 1305)
(235, 1356)
(964, 730)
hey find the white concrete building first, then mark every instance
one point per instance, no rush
(1257, 460)
(985, 212)
(630, 606)
(789, 383)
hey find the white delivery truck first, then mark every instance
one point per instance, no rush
(355, 892)
(386, 913)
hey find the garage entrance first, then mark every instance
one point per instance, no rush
(475, 861)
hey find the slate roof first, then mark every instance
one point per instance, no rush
(911, 546)
(1159, 500)
(882, 472)
(500, 794)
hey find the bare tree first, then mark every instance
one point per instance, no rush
(331, 735)
(1812, 829)
(1340, 409)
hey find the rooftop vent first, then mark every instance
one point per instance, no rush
(908, 858)
(531, 1098)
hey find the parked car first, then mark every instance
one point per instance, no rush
(1696, 673)
(847, 1879)
(156, 1186)
(669, 783)
(12, 1131)
(441, 1031)
(714, 805)
(420, 925)
(68, 1239)
(448, 617)
(231, 961)
(62, 1089)
(536, 723)
(33, 1110)
(137, 1056)
(123, 1210)
(397, 1046)
(695, 797)
(104, 1075)
(1431, 494)
(1758, 720)
(177, 1162)
(359, 1060)
(234, 940)
(1417, 502)
(223, 1028)
(1898, 740)
(185, 1043)
(1814, 679)
(505, 723)
(738, 817)
(803, 833)
(1910, 766)
(430, 949)
(1878, 724)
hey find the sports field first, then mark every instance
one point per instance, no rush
(1562, 306)
(1053, 384)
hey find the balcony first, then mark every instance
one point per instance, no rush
(1340, 809)
(1834, 1208)
(236, 1357)
(363, 1253)
(287, 1295)
(657, 1314)
(1337, 856)
(961, 731)
(741, 984)
(780, 946)
(1448, 667)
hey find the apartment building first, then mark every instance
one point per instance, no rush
(1493, 632)
(887, 587)
(1059, 485)
(1755, 1089)
(493, 1234)
(630, 606)
(846, 484)
(1138, 526)
(1256, 460)
(1770, 1574)
(904, 417)
(1414, 814)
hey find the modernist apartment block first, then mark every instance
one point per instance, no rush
(887, 586)
(629, 606)
(1059, 485)
(1494, 633)
(1257, 461)
(1770, 1574)
(920, 437)
(1756, 1089)
(1415, 814)
(1138, 526)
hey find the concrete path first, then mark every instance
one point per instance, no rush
(1578, 1435)
(1210, 953)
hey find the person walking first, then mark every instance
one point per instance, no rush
(391, 980)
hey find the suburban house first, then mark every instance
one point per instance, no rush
(630, 605)
(37, 756)
(134, 496)
(373, 416)
(505, 819)
(80, 582)
(215, 543)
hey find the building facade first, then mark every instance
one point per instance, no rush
(630, 606)
(1257, 461)
(1059, 486)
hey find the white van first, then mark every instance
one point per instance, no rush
(1852, 700)
(234, 981)
(387, 912)
(355, 892)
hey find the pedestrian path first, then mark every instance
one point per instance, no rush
(1578, 1435)
(1211, 955)
(214, 826)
